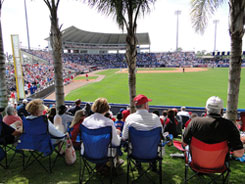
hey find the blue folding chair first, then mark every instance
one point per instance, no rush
(144, 147)
(5, 148)
(35, 142)
(95, 145)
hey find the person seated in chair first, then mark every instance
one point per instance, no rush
(213, 128)
(75, 124)
(8, 134)
(63, 117)
(98, 120)
(75, 108)
(22, 108)
(11, 118)
(35, 108)
(171, 124)
(142, 119)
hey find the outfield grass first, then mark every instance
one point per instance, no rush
(84, 78)
(172, 169)
(189, 88)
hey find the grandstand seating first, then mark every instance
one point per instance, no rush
(42, 75)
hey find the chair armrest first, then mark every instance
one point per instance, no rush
(55, 137)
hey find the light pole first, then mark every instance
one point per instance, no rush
(27, 27)
(215, 32)
(177, 12)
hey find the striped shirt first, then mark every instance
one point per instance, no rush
(141, 120)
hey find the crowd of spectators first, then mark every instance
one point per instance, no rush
(83, 62)
(40, 75)
(35, 76)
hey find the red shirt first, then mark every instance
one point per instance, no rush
(187, 123)
(162, 121)
(9, 119)
(75, 131)
(168, 120)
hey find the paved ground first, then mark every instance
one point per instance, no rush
(77, 84)
(177, 70)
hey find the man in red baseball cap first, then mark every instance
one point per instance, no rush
(142, 119)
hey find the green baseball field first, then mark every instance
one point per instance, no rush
(164, 86)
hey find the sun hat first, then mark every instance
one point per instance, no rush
(141, 99)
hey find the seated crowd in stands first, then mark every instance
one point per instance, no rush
(68, 120)
(36, 77)
(40, 76)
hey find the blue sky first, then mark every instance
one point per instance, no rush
(160, 24)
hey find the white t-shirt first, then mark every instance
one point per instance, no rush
(141, 120)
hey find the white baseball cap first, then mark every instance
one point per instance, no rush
(214, 102)
(25, 101)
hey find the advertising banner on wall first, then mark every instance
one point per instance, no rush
(18, 66)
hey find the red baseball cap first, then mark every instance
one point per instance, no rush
(141, 99)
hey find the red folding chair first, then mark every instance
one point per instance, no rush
(242, 115)
(210, 160)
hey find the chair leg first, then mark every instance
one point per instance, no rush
(111, 167)
(128, 170)
(6, 157)
(186, 173)
(160, 171)
(50, 164)
(80, 168)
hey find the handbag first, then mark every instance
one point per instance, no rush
(70, 153)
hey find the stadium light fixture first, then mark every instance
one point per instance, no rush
(27, 27)
(215, 32)
(177, 12)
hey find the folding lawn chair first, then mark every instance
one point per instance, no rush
(145, 147)
(94, 152)
(184, 120)
(5, 148)
(35, 142)
(210, 160)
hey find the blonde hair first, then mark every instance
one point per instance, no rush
(77, 118)
(35, 106)
(100, 105)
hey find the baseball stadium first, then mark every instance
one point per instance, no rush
(94, 66)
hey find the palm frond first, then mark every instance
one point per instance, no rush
(201, 11)
(119, 9)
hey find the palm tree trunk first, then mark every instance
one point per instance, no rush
(56, 44)
(237, 8)
(131, 53)
(3, 87)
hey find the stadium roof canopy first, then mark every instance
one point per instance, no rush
(73, 34)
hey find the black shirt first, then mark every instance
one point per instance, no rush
(6, 136)
(74, 109)
(213, 129)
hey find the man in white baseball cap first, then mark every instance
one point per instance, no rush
(213, 128)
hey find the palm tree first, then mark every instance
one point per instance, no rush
(201, 9)
(56, 44)
(126, 13)
(3, 87)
